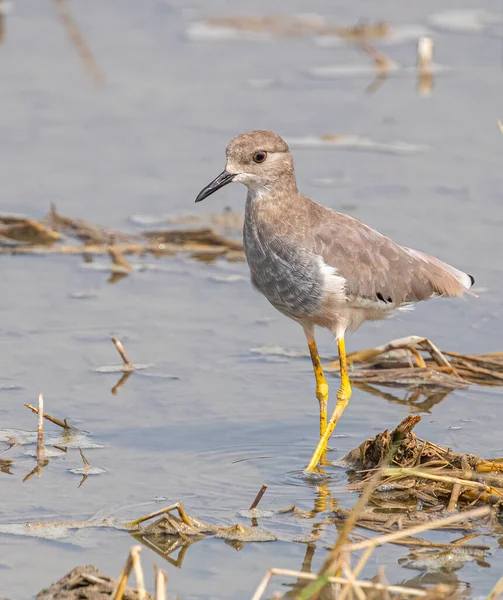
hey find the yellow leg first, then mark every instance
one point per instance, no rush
(343, 396)
(321, 386)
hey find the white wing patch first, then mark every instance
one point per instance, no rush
(334, 285)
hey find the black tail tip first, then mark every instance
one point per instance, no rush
(472, 279)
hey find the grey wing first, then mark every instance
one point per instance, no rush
(380, 272)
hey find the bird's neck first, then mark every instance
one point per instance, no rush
(265, 194)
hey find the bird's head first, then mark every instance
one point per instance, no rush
(260, 160)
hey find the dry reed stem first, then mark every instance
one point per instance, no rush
(353, 585)
(500, 125)
(50, 418)
(368, 585)
(424, 474)
(161, 581)
(361, 563)
(453, 500)
(498, 588)
(258, 497)
(437, 355)
(417, 357)
(123, 579)
(371, 544)
(78, 40)
(398, 535)
(331, 564)
(138, 572)
(162, 511)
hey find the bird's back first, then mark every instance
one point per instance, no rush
(294, 246)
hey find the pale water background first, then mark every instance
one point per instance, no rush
(146, 143)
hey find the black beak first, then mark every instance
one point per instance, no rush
(223, 179)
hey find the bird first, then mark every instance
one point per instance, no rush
(320, 267)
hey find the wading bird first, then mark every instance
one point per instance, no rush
(320, 267)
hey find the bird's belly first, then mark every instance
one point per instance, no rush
(290, 280)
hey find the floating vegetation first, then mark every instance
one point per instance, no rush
(26, 236)
(47, 446)
(396, 35)
(90, 583)
(382, 65)
(407, 485)
(25, 230)
(423, 474)
(184, 528)
(300, 25)
(226, 220)
(415, 361)
(465, 20)
(340, 572)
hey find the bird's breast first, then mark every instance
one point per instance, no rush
(287, 274)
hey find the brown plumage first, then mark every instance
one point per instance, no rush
(318, 266)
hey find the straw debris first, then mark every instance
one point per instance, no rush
(88, 583)
(301, 25)
(416, 362)
(423, 473)
(20, 235)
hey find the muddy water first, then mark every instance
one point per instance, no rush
(146, 143)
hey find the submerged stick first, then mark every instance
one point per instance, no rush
(122, 352)
(40, 436)
(50, 418)
(258, 497)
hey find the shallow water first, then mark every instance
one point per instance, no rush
(146, 143)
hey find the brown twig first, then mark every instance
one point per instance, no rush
(258, 497)
(50, 418)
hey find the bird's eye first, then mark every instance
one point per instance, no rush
(259, 157)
